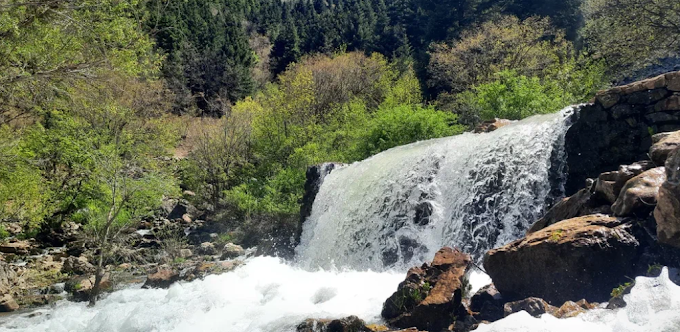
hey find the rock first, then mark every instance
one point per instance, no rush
(79, 266)
(8, 278)
(664, 143)
(532, 305)
(487, 303)
(7, 304)
(232, 251)
(609, 184)
(187, 218)
(181, 208)
(491, 125)
(667, 211)
(608, 98)
(581, 203)
(579, 258)
(207, 249)
(16, 247)
(671, 103)
(189, 193)
(572, 309)
(163, 277)
(13, 228)
(640, 192)
(430, 297)
(348, 324)
(80, 286)
(314, 178)
(185, 253)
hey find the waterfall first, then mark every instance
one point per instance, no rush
(472, 191)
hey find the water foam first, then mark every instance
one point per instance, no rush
(265, 295)
(653, 305)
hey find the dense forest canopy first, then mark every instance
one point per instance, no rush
(97, 97)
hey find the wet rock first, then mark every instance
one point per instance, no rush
(640, 193)
(348, 324)
(7, 304)
(162, 277)
(579, 258)
(491, 125)
(430, 297)
(314, 178)
(532, 305)
(207, 249)
(487, 303)
(77, 265)
(572, 309)
(232, 251)
(667, 211)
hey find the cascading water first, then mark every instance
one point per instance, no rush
(383, 214)
(472, 191)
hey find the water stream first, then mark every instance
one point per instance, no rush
(371, 221)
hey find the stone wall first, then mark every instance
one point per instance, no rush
(616, 127)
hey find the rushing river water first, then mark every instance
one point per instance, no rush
(370, 222)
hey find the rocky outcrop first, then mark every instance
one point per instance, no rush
(609, 184)
(639, 193)
(617, 127)
(430, 297)
(580, 204)
(77, 265)
(664, 144)
(487, 304)
(667, 211)
(491, 125)
(579, 258)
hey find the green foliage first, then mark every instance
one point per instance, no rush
(621, 289)
(3, 233)
(513, 96)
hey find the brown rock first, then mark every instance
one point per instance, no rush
(77, 265)
(532, 305)
(579, 258)
(673, 81)
(207, 248)
(664, 143)
(667, 211)
(81, 286)
(7, 304)
(608, 98)
(489, 126)
(572, 309)
(640, 192)
(430, 297)
(348, 324)
(163, 277)
(232, 251)
(609, 184)
(581, 203)
(16, 247)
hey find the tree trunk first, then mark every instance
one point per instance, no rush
(99, 275)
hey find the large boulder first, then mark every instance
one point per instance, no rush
(487, 304)
(640, 193)
(231, 250)
(579, 258)
(17, 247)
(430, 297)
(664, 143)
(667, 211)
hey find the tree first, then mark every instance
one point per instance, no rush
(531, 47)
(631, 34)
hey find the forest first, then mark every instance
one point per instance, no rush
(108, 106)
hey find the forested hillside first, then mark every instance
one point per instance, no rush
(108, 106)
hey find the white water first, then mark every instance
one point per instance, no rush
(265, 295)
(485, 190)
(653, 306)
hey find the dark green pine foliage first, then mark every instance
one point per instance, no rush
(209, 60)
(286, 49)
